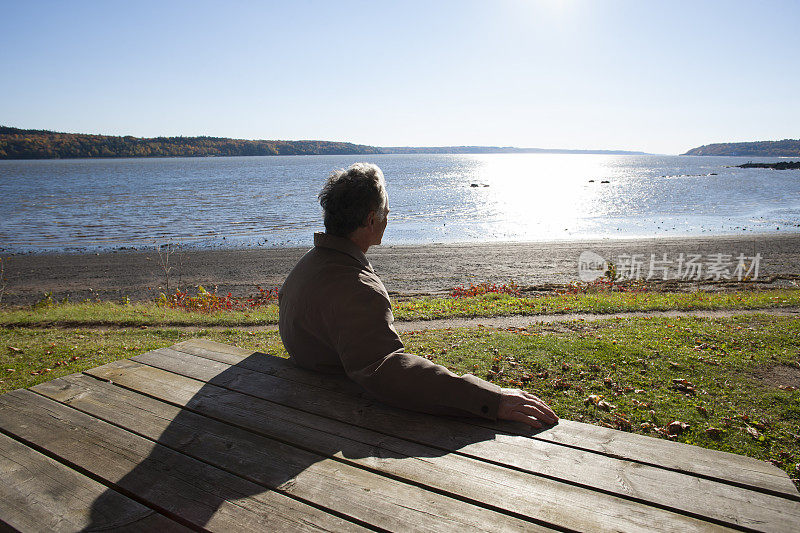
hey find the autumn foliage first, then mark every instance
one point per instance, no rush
(17, 143)
(484, 288)
(209, 302)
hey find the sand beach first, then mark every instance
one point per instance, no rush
(405, 270)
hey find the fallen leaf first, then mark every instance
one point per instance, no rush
(591, 399)
(676, 427)
(714, 433)
(562, 385)
(623, 423)
(753, 432)
(14, 349)
(702, 410)
(605, 406)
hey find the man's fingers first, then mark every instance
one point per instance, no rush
(538, 402)
(544, 408)
(517, 416)
(537, 411)
(524, 407)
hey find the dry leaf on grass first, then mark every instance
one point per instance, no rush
(676, 427)
(605, 406)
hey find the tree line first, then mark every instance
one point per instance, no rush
(18, 143)
(784, 148)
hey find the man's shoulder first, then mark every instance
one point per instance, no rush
(331, 270)
(369, 281)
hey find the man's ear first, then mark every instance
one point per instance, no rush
(370, 219)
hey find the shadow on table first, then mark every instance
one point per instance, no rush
(229, 440)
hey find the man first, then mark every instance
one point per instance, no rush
(335, 315)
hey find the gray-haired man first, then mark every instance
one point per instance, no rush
(335, 315)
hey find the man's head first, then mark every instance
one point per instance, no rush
(355, 199)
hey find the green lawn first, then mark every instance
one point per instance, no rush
(486, 305)
(494, 304)
(722, 377)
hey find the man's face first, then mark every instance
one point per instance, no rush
(380, 227)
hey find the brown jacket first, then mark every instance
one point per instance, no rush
(335, 315)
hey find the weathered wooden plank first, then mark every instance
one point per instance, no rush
(722, 466)
(505, 488)
(727, 504)
(41, 494)
(170, 482)
(382, 502)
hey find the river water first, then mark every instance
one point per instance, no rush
(100, 204)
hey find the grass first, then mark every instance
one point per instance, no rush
(721, 377)
(485, 305)
(139, 314)
(32, 355)
(494, 304)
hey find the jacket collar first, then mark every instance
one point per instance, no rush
(341, 244)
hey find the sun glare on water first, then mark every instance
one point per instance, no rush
(540, 195)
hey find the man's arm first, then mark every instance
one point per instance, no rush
(373, 355)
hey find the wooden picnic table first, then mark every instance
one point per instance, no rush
(207, 436)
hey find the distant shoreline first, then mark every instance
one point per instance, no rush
(405, 269)
(22, 144)
(783, 148)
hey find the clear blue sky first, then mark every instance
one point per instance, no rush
(660, 76)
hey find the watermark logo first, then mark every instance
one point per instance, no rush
(682, 266)
(591, 266)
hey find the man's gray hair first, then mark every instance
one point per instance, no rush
(349, 195)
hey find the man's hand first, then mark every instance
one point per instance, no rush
(521, 406)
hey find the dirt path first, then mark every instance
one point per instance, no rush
(523, 321)
(516, 321)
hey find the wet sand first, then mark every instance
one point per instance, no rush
(405, 270)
